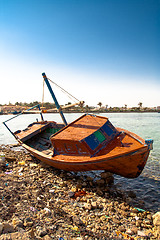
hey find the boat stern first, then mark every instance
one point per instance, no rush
(149, 142)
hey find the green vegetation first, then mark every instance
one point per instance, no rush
(19, 106)
(47, 105)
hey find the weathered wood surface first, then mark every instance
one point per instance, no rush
(125, 155)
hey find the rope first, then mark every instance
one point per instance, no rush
(43, 94)
(64, 91)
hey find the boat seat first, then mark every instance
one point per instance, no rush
(32, 131)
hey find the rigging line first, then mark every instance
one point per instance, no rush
(63, 90)
(95, 119)
(43, 94)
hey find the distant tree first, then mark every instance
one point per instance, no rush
(81, 104)
(25, 104)
(48, 105)
(68, 103)
(30, 104)
(99, 104)
(140, 105)
(125, 106)
(116, 109)
(87, 108)
(36, 103)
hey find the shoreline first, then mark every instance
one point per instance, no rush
(41, 202)
(92, 112)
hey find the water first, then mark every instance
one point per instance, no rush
(146, 125)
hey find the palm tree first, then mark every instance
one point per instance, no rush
(140, 105)
(87, 108)
(99, 104)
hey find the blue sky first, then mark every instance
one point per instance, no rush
(97, 50)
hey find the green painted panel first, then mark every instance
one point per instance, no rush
(52, 130)
(98, 134)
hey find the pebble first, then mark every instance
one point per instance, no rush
(16, 236)
(7, 227)
(94, 204)
(141, 233)
(87, 206)
(122, 228)
(1, 227)
(156, 219)
(46, 203)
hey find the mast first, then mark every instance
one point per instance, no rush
(54, 98)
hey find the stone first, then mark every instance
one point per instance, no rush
(17, 222)
(47, 237)
(87, 206)
(31, 233)
(133, 214)
(106, 175)
(149, 216)
(100, 182)
(138, 223)
(134, 229)
(89, 178)
(156, 219)
(115, 220)
(41, 231)
(71, 194)
(124, 207)
(131, 194)
(84, 184)
(77, 220)
(109, 180)
(156, 232)
(94, 205)
(141, 233)
(47, 210)
(129, 231)
(8, 228)
(112, 209)
(2, 162)
(99, 192)
(73, 189)
(123, 213)
(11, 159)
(15, 236)
(28, 222)
(1, 227)
(122, 228)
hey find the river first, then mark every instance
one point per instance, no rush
(146, 125)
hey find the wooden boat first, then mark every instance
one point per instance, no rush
(88, 143)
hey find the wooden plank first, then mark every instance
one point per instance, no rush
(32, 130)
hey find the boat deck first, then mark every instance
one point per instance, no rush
(31, 130)
(81, 128)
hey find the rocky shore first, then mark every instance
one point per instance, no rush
(40, 202)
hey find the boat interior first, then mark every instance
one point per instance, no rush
(37, 135)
